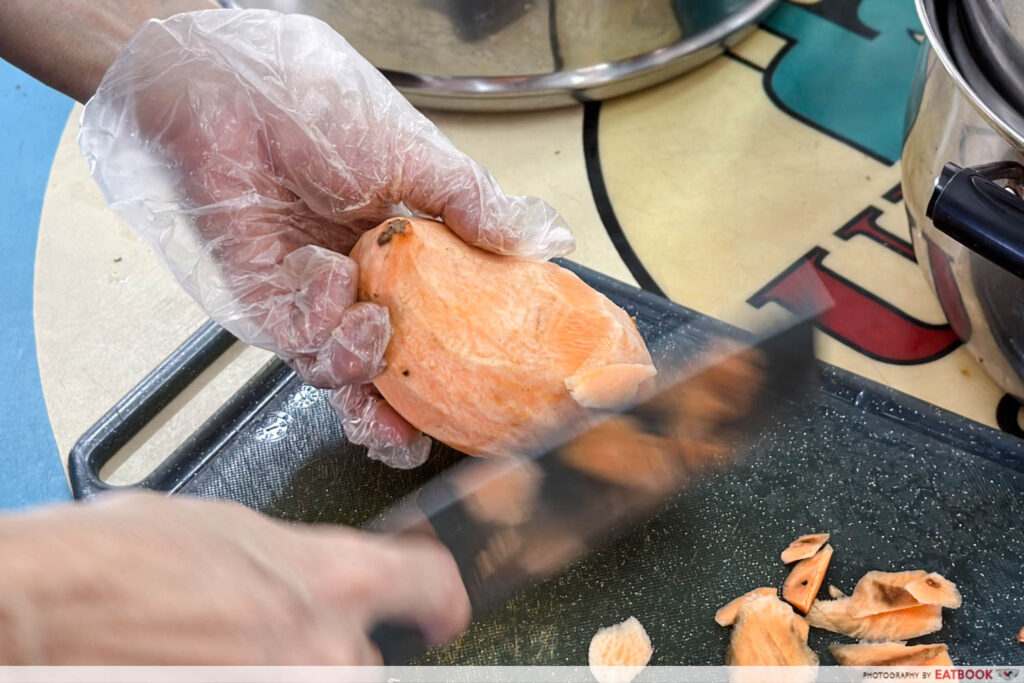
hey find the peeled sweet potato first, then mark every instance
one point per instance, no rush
(489, 352)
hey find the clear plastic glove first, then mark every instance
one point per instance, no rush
(146, 579)
(251, 149)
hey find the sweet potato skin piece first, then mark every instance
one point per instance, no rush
(912, 622)
(485, 347)
(618, 653)
(878, 592)
(803, 627)
(804, 547)
(804, 581)
(935, 589)
(502, 491)
(889, 654)
(726, 615)
(767, 633)
(618, 451)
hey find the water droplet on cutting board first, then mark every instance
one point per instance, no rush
(273, 427)
(304, 397)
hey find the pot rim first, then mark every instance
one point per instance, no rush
(598, 81)
(925, 12)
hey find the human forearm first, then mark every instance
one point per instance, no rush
(69, 45)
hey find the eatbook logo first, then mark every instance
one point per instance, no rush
(983, 674)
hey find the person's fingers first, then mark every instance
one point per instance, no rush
(354, 353)
(403, 579)
(426, 587)
(320, 286)
(369, 421)
(439, 180)
(388, 160)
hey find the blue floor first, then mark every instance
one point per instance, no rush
(32, 118)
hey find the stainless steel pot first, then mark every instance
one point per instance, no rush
(529, 54)
(963, 175)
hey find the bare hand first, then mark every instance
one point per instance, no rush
(145, 579)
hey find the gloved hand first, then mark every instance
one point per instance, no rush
(251, 149)
(146, 579)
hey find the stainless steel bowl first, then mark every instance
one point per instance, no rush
(529, 54)
(967, 219)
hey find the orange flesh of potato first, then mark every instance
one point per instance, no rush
(768, 633)
(804, 547)
(912, 622)
(489, 351)
(503, 492)
(1020, 635)
(804, 581)
(879, 592)
(726, 616)
(618, 451)
(834, 592)
(550, 552)
(935, 589)
(719, 393)
(603, 387)
(889, 654)
(625, 646)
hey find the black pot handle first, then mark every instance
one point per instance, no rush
(969, 206)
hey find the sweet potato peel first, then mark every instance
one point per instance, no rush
(618, 653)
(803, 547)
(768, 633)
(726, 616)
(805, 579)
(912, 622)
(879, 592)
(884, 609)
(891, 654)
(935, 589)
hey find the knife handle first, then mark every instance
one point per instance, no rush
(398, 643)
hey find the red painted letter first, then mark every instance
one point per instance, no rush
(857, 317)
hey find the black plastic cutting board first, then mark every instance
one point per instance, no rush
(898, 483)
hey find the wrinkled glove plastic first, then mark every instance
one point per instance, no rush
(250, 149)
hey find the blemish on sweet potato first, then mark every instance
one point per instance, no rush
(395, 226)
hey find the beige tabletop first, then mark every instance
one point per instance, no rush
(716, 189)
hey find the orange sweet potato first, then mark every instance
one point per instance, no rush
(490, 351)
